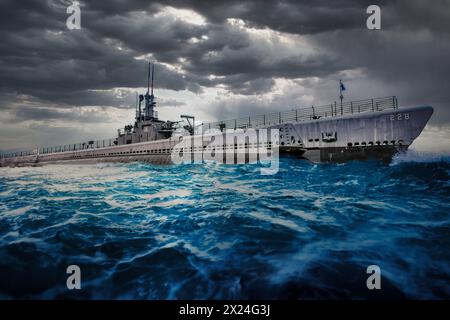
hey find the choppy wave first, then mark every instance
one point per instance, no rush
(225, 231)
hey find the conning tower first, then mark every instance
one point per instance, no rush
(147, 126)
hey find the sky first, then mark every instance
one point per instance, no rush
(214, 60)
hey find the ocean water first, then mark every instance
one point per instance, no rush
(212, 231)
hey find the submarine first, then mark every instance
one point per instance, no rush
(375, 128)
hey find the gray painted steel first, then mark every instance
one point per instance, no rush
(359, 136)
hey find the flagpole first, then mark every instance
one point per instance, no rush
(340, 92)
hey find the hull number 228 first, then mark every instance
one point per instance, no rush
(399, 116)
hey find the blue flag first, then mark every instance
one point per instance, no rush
(342, 85)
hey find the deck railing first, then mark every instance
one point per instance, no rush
(62, 148)
(303, 114)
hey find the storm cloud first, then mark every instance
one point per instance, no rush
(214, 59)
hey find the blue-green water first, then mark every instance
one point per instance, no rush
(224, 231)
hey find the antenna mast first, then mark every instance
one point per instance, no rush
(153, 74)
(148, 79)
(137, 103)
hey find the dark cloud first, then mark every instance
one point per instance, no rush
(295, 16)
(50, 114)
(414, 66)
(48, 61)
(45, 69)
(23, 15)
(311, 17)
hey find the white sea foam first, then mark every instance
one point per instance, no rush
(418, 156)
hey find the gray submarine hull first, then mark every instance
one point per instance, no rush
(362, 136)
